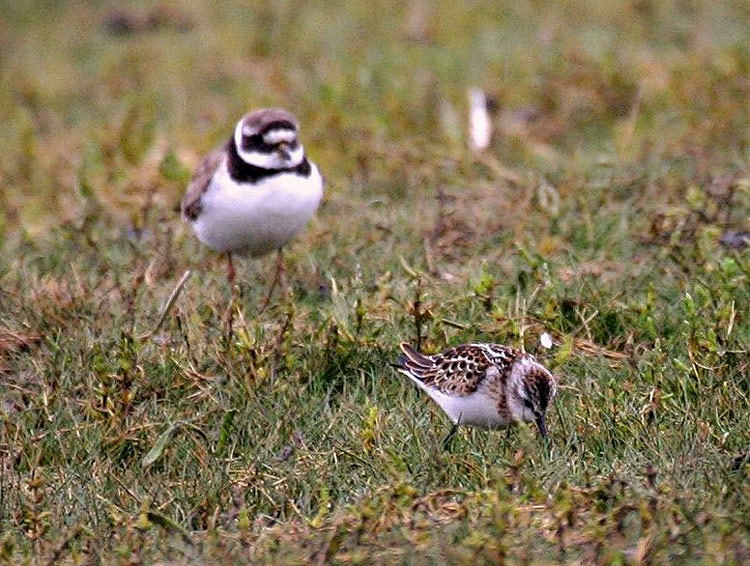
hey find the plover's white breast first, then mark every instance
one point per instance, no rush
(256, 218)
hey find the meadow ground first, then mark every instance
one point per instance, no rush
(620, 160)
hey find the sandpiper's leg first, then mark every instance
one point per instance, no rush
(449, 436)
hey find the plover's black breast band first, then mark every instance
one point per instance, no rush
(242, 172)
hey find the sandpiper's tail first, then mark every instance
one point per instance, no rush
(412, 362)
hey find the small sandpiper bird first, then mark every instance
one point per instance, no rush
(484, 385)
(256, 192)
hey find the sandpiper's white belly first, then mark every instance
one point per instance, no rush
(256, 218)
(476, 409)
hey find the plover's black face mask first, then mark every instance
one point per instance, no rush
(272, 145)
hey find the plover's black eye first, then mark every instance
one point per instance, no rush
(256, 143)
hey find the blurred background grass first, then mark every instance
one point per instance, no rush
(90, 86)
(620, 158)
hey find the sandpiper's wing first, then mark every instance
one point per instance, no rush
(459, 370)
(191, 202)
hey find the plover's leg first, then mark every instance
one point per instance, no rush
(231, 273)
(279, 275)
(281, 269)
(233, 291)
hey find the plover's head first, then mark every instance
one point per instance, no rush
(531, 389)
(267, 138)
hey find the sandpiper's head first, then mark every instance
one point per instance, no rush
(532, 388)
(267, 138)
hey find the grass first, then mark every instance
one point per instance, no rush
(621, 156)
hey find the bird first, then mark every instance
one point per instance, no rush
(253, 194)
(484, 385)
